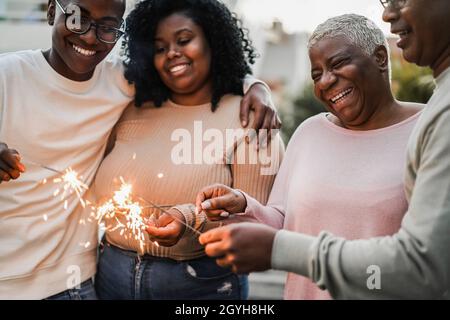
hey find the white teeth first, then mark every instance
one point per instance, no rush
(84, 52)
(341, 95)
(178, 68)
(403, 33)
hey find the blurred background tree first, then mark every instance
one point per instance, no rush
(410, 82)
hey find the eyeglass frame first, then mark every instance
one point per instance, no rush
(388, 3)
(119, 33)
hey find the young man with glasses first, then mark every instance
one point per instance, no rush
(415, 262)
(57, 108)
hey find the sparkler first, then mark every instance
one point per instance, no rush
(70, 183)
(122, 203)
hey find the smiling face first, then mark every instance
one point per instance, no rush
(182, 59)
(423, 29)
(76, 56)
(348, 81)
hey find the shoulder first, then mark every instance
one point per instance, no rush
(411, 108)
(228, 109)
(114, 69)
(10, 61)
(132, 112)
(308, 128)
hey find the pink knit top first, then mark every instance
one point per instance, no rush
(349, 183)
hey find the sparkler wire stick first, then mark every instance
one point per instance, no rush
(43, 166)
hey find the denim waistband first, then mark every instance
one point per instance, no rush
(134, 254)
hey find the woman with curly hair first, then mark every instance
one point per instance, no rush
(188, 60)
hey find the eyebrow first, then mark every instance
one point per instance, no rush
(340, 54)
(86, 12)
(177, 33)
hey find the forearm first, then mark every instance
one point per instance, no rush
(270, 215)
(250, 80)
(348, 269)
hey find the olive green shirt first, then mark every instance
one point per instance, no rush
(414, 263)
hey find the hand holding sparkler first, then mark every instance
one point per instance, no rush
(167, 229)
(220, 201)
(10, 164)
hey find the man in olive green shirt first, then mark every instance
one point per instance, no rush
(415, 262)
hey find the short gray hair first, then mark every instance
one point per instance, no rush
(360, 30)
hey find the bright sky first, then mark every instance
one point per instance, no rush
(305, 15)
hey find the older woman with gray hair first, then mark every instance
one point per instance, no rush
(343, 170)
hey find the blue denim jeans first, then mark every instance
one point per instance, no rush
(124, 275)
(85, 292)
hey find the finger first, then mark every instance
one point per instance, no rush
(4, 176)
(213, 235)
(214, 213)
(279, 123)
(267, 124)
(164, 220)
(273, 130)
(220, 203)
(13, 173)
(260, 115)
(215, 249)
(265, 130)
(224, 262)
(12, 159)
(244, 111)
(204, 194)
(168, 232)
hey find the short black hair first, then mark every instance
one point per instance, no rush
(231, 50)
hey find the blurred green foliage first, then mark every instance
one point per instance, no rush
(410, 82)
(303, 107)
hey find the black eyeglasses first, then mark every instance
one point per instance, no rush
(396, 4)
(104, 33)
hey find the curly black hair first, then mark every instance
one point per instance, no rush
(231, 50)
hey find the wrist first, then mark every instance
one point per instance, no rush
(242, 201)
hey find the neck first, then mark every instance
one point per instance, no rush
(55, 61)
(196, 98)
(386, 113)
(442, 63)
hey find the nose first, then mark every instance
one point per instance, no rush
(90, 37)
(173, 53)
(390, 14)
(326, 81)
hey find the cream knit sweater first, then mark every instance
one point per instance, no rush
(166, 154)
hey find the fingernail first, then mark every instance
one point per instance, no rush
(244, 123)
(225, 214)
(206, 205)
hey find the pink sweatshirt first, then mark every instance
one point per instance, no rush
(349, 183)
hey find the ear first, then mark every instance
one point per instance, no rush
(51, 12)
(381, 57)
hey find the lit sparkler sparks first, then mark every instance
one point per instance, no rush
(71, 183)
(122, 203)
(70, 180)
